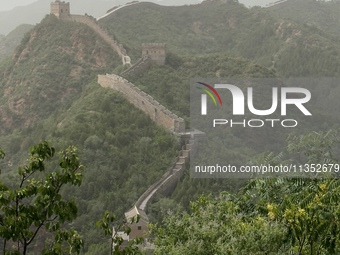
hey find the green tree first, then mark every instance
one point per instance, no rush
(111, 227)
(308, 207)
(269, 216)
(218, 226)
(35, 206)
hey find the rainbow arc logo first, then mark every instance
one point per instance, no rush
(211, 91)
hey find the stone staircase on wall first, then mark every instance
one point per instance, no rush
(140, 66)
(170, 179)
(157, 112)
(168, 182)
(92, 23)
(165, 118)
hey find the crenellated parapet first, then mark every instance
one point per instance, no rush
(115, 45)
(172, 123)
(155, 51)
(157, 112)
(139, 67)
(62, 11)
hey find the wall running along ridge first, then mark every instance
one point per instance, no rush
(139, 67)
(157, 112)
(170, 179)
(92, 23)
(164, 118)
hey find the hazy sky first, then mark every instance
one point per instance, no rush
(10, 4)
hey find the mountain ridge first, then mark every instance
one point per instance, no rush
(49, 92)
(12, 40)
(35, 12)
(211, 27)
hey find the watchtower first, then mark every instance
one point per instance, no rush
(60, 9)
(156, 51)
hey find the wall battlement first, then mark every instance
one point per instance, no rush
(157, 112)
(140, 66)
(168, 182)
(156, 52)
(60, 9)
(151, 53)
(92, 23)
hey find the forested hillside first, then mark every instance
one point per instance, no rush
(49, 91)
(291, 48)
(12, 40)
(323, 15)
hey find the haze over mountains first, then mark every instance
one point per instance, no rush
(34, 12)
(13, 14)
(7, 5)
(12, 40)
(49, 91)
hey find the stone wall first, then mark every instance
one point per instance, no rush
(60, 9)
(170, 179)
(157, 112)
(156, 51)
(116, 9)
(92, 23)
(139, 67)
(165, 184)
(277, 4)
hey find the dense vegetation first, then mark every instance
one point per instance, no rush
(170, 84)
(122, 150)
(34, 205)
(292, 49)
(223, 31)
(323, 15)
(49, 92)
(12, 40)
(267, 216)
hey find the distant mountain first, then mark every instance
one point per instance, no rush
(30, 14)
(33, 13)
(322, 15)
(7, 5)
(8, 43)
(48, 91)
(219, 26)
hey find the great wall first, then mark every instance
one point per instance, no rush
(140, 66)
(116, 9)
(152, 53)
(92, 23)
(162, 117)
(157, 112)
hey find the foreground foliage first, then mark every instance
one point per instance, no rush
(34, 207)
(218, 226)
(34, 212)
(269, 216)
